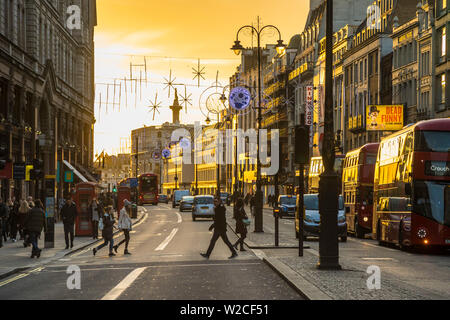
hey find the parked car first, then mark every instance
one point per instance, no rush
(186, 203)
(226, 198)
(178, 195)
(311, 219)
(287, 205)
(162, 198)
(203, 207)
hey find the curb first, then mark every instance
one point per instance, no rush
(296, 281)
(58, 255)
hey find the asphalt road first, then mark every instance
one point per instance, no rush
(165, 265)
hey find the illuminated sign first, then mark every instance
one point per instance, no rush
(384, 118)
(437, 169)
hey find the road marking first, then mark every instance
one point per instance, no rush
(20, 276)
(164, 244)
(380, 259)
(124, 284)
(180, 220)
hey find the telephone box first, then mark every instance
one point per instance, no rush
(84, 193)
(122, 194)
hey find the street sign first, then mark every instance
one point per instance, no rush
(19, 171)
(309, 114)
(134, 183)
(68, 176)
(166, 153)
(156, 155)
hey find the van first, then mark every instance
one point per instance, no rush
(177, 195)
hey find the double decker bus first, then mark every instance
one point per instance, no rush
(357, 186)
(412, 186)
(148, 189)
(316, 168)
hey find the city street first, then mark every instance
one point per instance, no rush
(165, 264)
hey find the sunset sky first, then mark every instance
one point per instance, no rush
(171, 35)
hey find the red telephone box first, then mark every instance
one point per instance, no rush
(84, 194)
(122, 194)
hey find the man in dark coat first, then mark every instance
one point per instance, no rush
(34, 224)
(220, 229)
(107, 231)
(4, 214)
(68, 215)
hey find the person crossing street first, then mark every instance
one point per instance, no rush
(124, 224)
(34, 224)
(107, 232)
(220, 229)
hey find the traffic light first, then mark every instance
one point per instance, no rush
(114, 189)
(4, 157)
(301, 145)
(38, 171)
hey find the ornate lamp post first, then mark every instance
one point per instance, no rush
(237, 48)
(328, 185)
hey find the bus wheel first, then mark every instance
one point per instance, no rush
(359, 232)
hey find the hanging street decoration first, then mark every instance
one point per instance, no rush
(198, 72)
(166, 153)
(170, 83)
(186, 99)
(155, 106)
(240, 98)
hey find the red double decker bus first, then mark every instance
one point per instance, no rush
(357, 186)
(412, 186)
(148, 189)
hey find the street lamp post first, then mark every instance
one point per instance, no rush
(328, 185)
(237, 48)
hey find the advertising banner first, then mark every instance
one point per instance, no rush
(384, 118)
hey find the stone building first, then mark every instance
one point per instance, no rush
(367, 71)
(47, 88)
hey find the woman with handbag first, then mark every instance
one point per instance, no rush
(125, 224)
(241, 223)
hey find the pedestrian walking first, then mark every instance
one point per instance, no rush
(241, 228)
(125, 224)
(96, 211)
(68, 215)
(14, 220)
(107, 232)
(24, 209)
(30, 202)
(220, 229)
(252, 204)
(4, 214)
(34, 224)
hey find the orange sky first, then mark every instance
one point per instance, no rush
(181, 31)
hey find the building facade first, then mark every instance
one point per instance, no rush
(47, 90)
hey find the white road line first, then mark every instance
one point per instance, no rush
(124, 284)
(164, 244)
(180, 220)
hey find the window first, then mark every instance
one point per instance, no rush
(442, 88)
(443, 40)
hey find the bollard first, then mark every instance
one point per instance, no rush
(276, 214)
(134, 211)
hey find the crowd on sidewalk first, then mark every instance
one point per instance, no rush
(24, 220)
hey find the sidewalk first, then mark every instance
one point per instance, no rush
(348, 284)
(15, 258)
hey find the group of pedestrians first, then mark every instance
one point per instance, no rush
(26, 218)
(23, 217)
(220, 227)
(107, 225)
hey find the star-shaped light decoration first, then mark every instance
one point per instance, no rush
(186, 99)
(198, 73)
(155, 106)
(170, 83)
